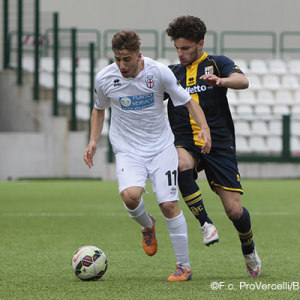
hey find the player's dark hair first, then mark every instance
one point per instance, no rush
(128, 40)
(187, 27)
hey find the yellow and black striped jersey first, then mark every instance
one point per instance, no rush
(213, 101)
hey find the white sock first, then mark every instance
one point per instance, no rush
(178, 233)
(140, 215)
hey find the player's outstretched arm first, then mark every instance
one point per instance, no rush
(197, 113)
(97, 121)
(237, 81)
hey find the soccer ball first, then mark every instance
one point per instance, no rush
(89, 263)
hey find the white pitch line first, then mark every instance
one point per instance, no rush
(276, 213)
(45, 214)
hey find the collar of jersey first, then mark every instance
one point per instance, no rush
(200, 60)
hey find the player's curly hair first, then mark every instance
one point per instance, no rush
(126, 39)
(187, 27)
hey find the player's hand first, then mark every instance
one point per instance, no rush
(212, 79)
(89, 154)
(205, 134)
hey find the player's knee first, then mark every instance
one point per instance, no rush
(170, 209)
(234, 212)
(232, 204)
(130, 198)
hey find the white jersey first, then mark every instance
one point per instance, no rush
(138, 123)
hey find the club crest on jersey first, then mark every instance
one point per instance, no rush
(150, 81)
(209, 70)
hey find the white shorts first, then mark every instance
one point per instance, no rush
(133, 170)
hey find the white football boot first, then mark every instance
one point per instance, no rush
(210, 234)
(253, 264)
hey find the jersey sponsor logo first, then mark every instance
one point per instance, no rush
(196, 89)
(125, 102)
(137, 102)
(209, 70)
(150, 81)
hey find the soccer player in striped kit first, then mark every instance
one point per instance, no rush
(207, 78)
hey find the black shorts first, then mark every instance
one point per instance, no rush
(220, 166)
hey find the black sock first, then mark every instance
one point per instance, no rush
(243, 226)
(192, 196)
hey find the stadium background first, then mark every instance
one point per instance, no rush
(34, 144)
(218, 15)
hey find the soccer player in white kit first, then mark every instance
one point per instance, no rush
(142, 139)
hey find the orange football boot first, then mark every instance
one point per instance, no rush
(181, 274)
(149, 239)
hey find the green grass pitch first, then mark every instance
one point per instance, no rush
(42, 223)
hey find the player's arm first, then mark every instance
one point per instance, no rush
(197, 114)
(97, 121)
(237, 81)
